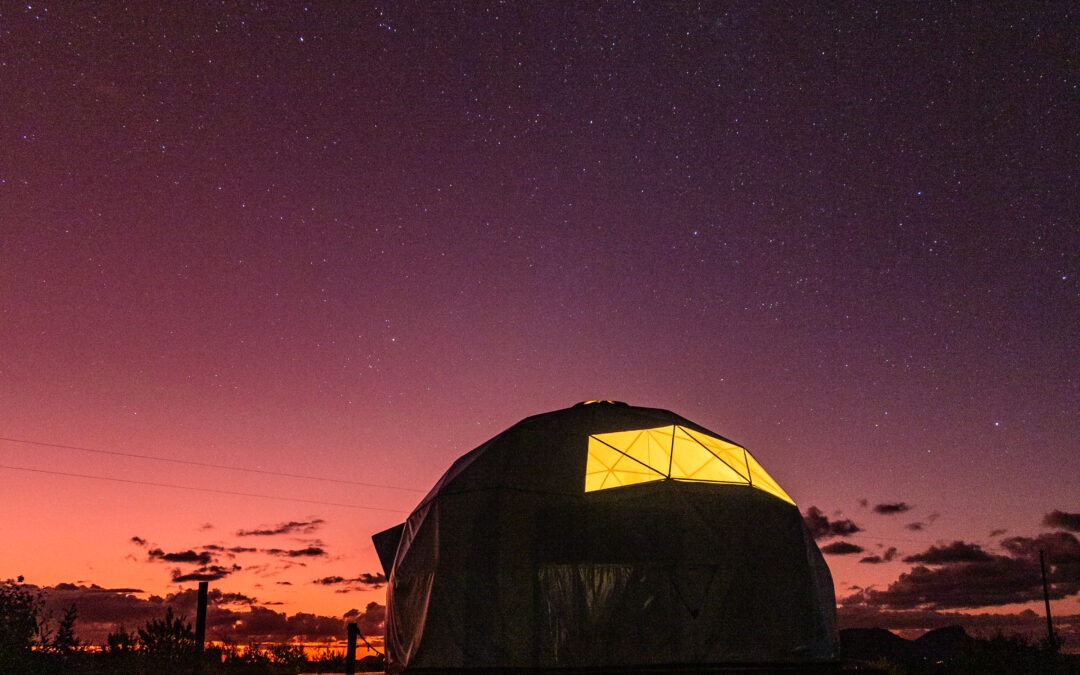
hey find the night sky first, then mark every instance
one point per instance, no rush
(354, 241)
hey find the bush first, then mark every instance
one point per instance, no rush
(20, 621)
(169, 644)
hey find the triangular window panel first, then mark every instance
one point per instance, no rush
(764, 481)
(651, 447)
(609, 467)
(690, 461)
(671, 453)
(730, 454)
(694, 460)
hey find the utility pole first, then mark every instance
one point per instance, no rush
(350, 651)
(200, 616)
(1051, 640)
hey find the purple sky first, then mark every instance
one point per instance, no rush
(355, 240)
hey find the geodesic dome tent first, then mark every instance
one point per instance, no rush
(605, 536)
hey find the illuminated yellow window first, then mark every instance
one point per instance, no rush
(672, 453)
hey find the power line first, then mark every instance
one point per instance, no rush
(200, 489)
(209, 465)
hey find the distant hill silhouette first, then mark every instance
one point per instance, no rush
(950, 650)
(871, 644)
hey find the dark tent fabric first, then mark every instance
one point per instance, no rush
(509, 562)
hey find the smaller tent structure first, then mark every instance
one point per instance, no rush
(611, 537)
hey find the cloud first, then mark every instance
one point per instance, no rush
(888, 556)
(821, 528)
(956, 552)
(309, 552)
(206, 564)
(969, 585)
(365, 581)
(1062, 521)
(217, 597)
(207, 573)
(94, 589)
(920, 526)
(964, 576)
(291, 527)
(998, 532)
(265, 625)
(841, 548)
(371, 621)
(138, 541)
(1061, 549)
(100, 610)
(262, 624)
(189, 556)
(892, 508)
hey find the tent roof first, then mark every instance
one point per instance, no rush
(598, 445)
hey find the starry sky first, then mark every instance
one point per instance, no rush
(268, 268)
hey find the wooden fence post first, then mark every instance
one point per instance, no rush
(200, 617)
(350, 651)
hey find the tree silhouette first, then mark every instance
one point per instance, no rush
(169, 640)
(121, 642)
(20, 620)
(65, 642)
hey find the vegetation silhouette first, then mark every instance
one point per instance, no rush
(32, 644)
(951, 650)
(20, 615)
(169, 644)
